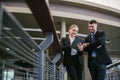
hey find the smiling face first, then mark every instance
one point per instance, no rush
(73, 31)
(92, 27)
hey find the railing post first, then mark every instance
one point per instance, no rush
(3, 67)
(41, 63)
(86, 74)
(62, 71)
(27, 74)
(53, 71)
(55, 60)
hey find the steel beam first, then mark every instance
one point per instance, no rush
(1, 18)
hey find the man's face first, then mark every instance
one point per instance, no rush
(92, 27)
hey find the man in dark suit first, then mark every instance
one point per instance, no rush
(72, 55)
(98, 57)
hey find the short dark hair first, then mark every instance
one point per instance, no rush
(92, 22)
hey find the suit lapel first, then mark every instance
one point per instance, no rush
(68, 39)
(89, 38)
(96, 35)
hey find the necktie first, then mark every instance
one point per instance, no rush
(93, 52)
(92, 37)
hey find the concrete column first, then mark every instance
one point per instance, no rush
(86, 75)
(63, 34)
(63, 30)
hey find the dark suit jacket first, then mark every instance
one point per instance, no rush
(68, 59)
(99, 45)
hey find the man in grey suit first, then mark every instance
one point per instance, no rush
(98, 57)
(72, 55)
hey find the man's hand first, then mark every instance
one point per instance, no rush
(99, 46)
(85, 45)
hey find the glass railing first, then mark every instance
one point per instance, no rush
(113, 74)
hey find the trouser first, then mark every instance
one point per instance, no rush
(97, 70)
(74, 72)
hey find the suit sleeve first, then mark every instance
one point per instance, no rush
(64, 44)
(80, 53)
(99, 42)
